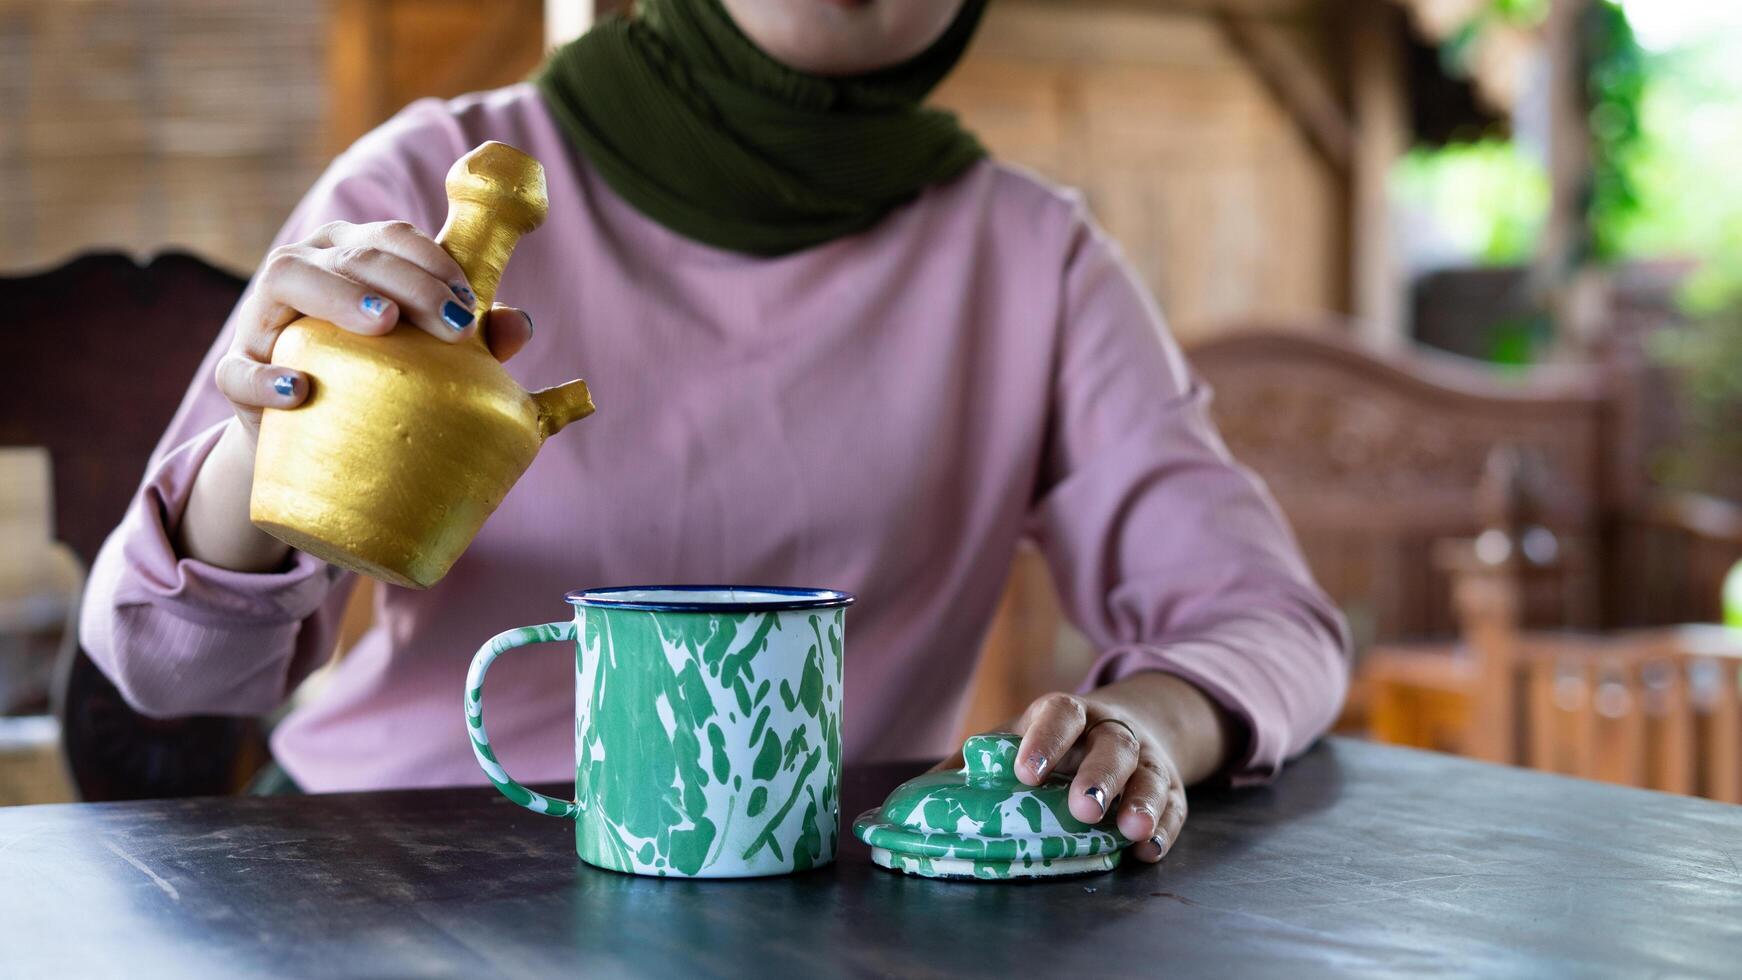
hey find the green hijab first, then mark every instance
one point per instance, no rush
(701, 131)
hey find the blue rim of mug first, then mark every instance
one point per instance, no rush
(787, 598)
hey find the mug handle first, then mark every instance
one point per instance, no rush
(481, 661)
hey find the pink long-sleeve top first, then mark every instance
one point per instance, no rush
(888, 414)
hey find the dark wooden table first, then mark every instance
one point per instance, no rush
(1360, 859)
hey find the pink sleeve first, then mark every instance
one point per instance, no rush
(1167, 553)
(179, 636)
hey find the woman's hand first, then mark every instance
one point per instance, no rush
(361, 278)
(1134, 746)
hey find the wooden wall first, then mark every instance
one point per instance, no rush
(144, 125)
(198, 123)
(1183, 154)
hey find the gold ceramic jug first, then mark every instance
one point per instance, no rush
(406, 443)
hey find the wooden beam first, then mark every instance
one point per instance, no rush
(1300, 89)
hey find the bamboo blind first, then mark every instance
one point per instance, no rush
(145, 125)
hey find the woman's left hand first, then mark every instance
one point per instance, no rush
(1134, 746)
(1120, 766)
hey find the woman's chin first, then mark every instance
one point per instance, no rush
(842, 37)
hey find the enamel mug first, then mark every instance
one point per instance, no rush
(707, 728)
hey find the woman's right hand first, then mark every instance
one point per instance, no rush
(362, 278)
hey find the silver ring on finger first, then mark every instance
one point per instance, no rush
(1114, 721)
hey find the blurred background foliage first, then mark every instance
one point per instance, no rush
(1665, 86)
(1490, 195)
(1667, 134)
(1487, 196)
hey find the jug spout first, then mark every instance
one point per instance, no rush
(561, 405)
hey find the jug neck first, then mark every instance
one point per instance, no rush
(495, 194)
(481, 243)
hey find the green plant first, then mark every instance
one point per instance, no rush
(1684, 170)
(1616, 74)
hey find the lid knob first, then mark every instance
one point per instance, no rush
(991, 756)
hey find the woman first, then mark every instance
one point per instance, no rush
(833, 345)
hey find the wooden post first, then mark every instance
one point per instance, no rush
(1542, 716)
(1618, 719)
(1381, 136)
(1676, 759)
(378, 55)
(1569, 290)
(1722, 745)
(359, 67)
(1487, 603)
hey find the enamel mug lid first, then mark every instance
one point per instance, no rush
(981, 822)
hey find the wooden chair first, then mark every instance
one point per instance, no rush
(1660, 709)
(94, 357)
(1657, 708)
(1375, 458)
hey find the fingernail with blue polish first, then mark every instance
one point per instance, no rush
(373, 305)
(456, 316)
(464, 293)
(1099, 796)
(285, 385)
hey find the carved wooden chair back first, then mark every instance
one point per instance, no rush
(1374, 458)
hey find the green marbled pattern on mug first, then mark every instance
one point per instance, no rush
(708, 744)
